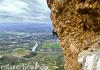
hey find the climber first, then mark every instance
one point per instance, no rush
(54, 33)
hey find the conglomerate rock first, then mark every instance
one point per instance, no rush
(77, 23)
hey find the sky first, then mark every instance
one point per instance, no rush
(24, 11)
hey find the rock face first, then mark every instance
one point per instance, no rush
(77, 23)
(90, 59)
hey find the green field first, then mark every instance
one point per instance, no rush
(50, 44)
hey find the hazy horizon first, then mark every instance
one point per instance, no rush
(27, 27)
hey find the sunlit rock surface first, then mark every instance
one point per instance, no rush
(77, 23)
(90, 59)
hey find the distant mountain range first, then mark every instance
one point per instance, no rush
(26, 27)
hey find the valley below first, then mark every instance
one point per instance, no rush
(39, 50)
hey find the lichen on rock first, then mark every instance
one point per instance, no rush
(77, 23)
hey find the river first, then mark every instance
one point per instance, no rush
(35, 46)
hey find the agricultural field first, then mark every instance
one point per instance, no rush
(51, 44)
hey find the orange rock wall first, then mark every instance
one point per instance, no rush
(77, 23)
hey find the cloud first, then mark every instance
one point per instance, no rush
(24, 11)
(13, 6)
